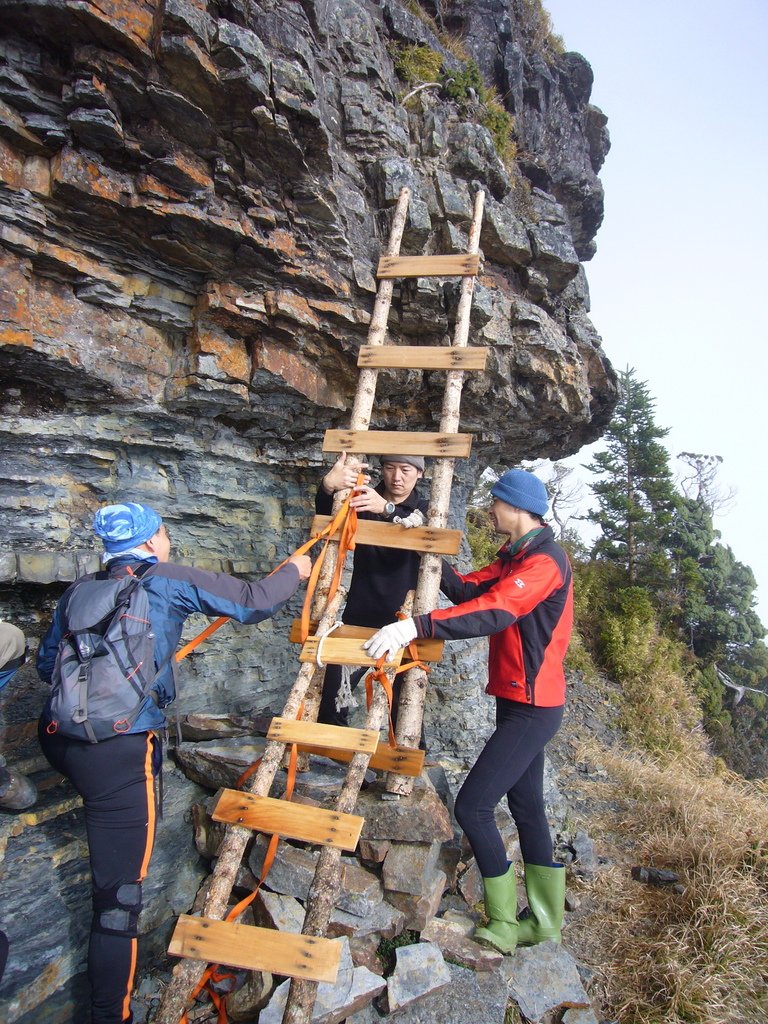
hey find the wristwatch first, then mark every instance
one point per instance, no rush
(389, 509)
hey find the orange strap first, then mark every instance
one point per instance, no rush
(346, 520)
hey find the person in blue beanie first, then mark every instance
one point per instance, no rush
(522, 601)
(116, 776)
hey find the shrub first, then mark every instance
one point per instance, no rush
(661, 713)
(500, 124)
(457, 84)
(416, 64)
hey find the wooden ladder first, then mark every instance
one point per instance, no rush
(310, 958)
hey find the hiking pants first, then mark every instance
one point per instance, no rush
(115, 778)
(511, 763)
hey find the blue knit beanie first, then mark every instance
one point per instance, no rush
(123, 527)
(523, 490)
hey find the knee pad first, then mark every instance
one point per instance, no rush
(116, 911)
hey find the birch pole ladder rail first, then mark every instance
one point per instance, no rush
(310, 957)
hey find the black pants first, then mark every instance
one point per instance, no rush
(511, 763)
(115, 778)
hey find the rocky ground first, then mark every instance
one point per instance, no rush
(407, 909)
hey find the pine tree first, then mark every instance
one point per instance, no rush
(636, 497)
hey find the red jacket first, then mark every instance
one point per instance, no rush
(524, 602)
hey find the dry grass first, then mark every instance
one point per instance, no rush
(699, 956)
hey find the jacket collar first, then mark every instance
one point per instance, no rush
(544, 536)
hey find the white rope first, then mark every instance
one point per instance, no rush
(318, 660)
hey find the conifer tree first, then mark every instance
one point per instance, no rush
(635, 494)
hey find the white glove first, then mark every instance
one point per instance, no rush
(416, 518)
(391, 638)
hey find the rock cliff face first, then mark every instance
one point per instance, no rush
(193, 199)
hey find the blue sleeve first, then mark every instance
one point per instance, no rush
(191, 590)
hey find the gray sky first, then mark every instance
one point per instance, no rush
(680, 278)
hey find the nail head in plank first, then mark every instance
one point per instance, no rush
(291, 730)
(256, 949)
(291, 821)
(400, 760)
(342, 651)
(427, 650)
(395, 442)
(392, 535)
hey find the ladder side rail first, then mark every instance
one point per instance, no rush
(327, 881)
(360, 419)
(365, 395)
(414, 685)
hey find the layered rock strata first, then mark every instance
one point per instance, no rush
(193, 200)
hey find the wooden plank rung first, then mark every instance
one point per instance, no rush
(391, 535)
(427, 650)
(422, 357)
(288, 820)
(256, 949)
(397, 442)
(400, 760)
(337, 737)
(452, 265)
(342, 651)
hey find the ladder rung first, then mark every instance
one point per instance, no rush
(453, 265)
(289, 820)
(422, 357)
(396, 442)
(428, 650)
(392, 535)
(400, 760)
(256, 949)
(342, 651)
(336, 737)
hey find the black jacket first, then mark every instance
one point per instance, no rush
(381, 577)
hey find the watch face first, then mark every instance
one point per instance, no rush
(389, 508)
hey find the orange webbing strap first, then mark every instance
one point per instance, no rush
(346, 518)
(344, 523)
(377, 674)
(213, 973)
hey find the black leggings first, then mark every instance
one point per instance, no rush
(511, 762)
(115, 778)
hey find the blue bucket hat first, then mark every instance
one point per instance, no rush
(523, 490)
(122, 527)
